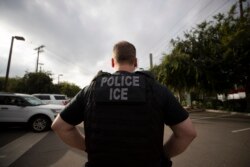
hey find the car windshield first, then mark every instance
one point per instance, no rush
(33, 100)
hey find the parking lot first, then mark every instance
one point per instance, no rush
(223, 140)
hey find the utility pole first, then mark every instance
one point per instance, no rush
(241, 9)
(151, 60)
(39, 50)
(41, 64)
(59, 75)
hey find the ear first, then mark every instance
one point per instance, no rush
(135, 64)
(112, 62)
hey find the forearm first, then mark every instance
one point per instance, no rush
(176, 145)
(72, 137)
(68, 133)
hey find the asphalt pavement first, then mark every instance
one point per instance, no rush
(223, 141)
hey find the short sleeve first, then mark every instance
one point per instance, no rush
(73, 113)
(174, 113)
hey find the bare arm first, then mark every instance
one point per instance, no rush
(69, 134)
(183, 135)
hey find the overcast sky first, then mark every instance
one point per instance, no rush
(79, 34)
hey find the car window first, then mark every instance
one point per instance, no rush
(33, 100)
(1, 100)
(5, 100)
(11, 100)
(43, 97)
(17, 101)
(60, 97)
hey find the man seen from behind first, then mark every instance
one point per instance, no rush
(124, 114)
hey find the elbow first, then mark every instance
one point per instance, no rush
(188, 137)
(190, 131)
(190, 134)
(54, 126)
(60, 126)
(193, 134)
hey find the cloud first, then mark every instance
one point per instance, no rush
(79, 35)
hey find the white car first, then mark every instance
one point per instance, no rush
(53, 98)
(23, 108)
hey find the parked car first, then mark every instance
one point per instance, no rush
(53, 98)
(27, 109)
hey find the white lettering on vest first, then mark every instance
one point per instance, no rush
(128, 81)
(104, 79)
(136, 81)
(117, 82)
(118, 94)
(110, 81)
(120, 81)
(116, 85)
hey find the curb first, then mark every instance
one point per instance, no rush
(215, 111)
(194, 109)
(230, 112)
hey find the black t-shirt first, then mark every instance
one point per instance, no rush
(174, 113)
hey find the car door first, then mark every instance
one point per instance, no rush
(11, 109)
(45, 98)
(60, 99)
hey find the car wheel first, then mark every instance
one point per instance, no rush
(40, 123)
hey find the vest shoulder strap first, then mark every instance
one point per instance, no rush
(145, 73)
(100, 74)
(148, 74)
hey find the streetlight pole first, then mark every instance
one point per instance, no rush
(41, 64)
(151, 60)
(59, 77)
(9, 60)
(38, 51)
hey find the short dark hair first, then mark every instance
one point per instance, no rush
(124, 52)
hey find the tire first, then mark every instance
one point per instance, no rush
(40, 123)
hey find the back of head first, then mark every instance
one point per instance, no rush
(124, 52)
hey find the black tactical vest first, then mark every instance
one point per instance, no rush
(123, 125)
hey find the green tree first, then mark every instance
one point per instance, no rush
(13, 84)
(39, 83)
(213, 57)
(160, 73)
(68, 89)
(36, 83)
(1, 83)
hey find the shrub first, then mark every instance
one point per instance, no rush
(235, 105)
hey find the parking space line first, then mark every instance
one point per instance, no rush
(202, 118)
(240, 130)
(12, 151)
